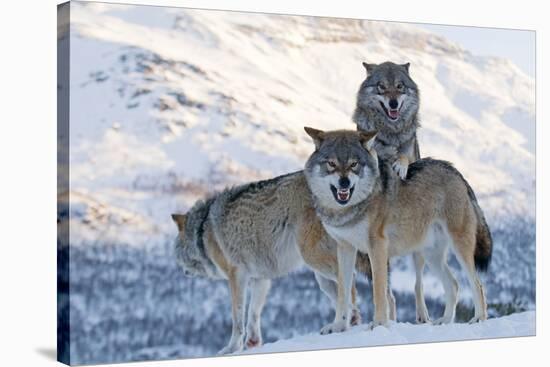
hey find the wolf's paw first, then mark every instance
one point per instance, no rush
(253, 339)
(355, 318)
(401, 166)
(231, 348)
(253, 342)
(422, 316)
(422, 319)
(375, 324)
(335, 327)
(476, 319)
(443, 320)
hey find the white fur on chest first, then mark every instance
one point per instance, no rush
(356, 235)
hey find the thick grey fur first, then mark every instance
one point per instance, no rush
(394, 137)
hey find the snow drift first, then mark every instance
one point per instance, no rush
(520, 324)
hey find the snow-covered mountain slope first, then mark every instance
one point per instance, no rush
(168, 104)
(520, 324)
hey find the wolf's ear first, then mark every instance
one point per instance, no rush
(406, 66)
(317, 135)
(179, 219)
(369, 67)
(367, 138)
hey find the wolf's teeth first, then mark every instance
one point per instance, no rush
(343, 194)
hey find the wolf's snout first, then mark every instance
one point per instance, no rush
(344, 182)
(343, 192)
(393, 111)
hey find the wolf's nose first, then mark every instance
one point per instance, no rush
(343, 182)
(393, 103)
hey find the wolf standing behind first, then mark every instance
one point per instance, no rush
(387, 102)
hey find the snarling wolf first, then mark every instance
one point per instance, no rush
(388, 101)
(365, 207)
(253, 233)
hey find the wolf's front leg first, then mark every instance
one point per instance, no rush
(406, 154)
(378, 254)
(258, 293)
(330, 288)
(237, 284)
(401, 166)
(346, 266)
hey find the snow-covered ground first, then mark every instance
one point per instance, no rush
(520, 324)
(168, 105)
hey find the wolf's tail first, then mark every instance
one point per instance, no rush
(484, 240)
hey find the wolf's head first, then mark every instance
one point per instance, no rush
(189, 245)
(343, 169)
(390, 92)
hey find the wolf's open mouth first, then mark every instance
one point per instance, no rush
(393, 114)
(342, 196)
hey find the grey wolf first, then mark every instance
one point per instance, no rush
(388, 101)
(365, 207)
(253, 233)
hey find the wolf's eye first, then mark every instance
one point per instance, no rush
(331, 164)
(400, 87)
(353, 165)
(381, 87)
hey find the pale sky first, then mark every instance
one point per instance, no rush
(516, 45)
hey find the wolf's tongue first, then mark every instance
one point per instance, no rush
(393, 114)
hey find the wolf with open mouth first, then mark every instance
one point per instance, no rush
(388, 101)
(432, 211)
